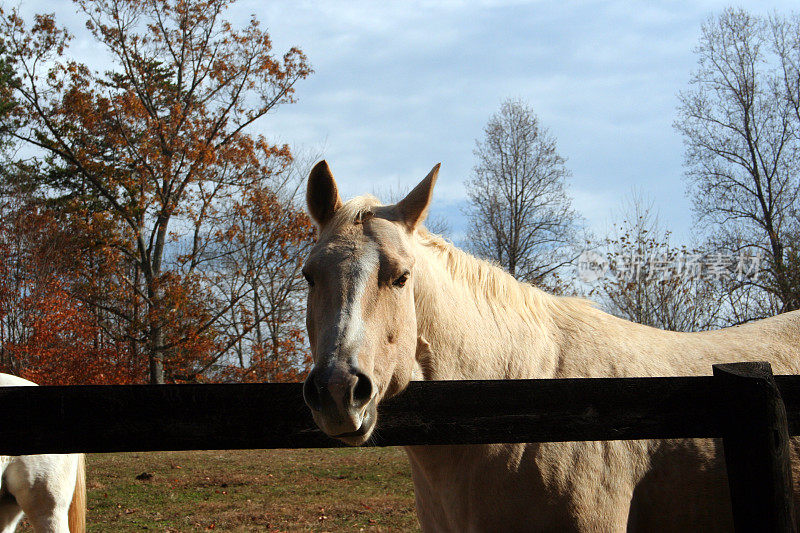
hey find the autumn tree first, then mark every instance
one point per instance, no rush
(7, 84)
(520, 213)
(157, 141)
(46, 333)
(741, 128)
(251, 265)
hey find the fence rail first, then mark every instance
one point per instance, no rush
(113, 418)
(742, 403)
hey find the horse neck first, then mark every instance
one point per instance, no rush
(466, 333)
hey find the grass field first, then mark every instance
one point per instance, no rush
(355, 489)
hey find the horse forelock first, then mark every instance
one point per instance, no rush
(354, 211)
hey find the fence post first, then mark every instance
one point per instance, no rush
(756, 443)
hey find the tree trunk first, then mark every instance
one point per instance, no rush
(156, 340)
(156, 350)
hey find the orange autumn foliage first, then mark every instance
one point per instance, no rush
(159, 141)
(46, 334)
(65, 346)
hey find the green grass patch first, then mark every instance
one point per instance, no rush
(351, 489)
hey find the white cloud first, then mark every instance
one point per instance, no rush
(399, 86)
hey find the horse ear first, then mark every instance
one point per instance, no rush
(414, 207)
(322, 196)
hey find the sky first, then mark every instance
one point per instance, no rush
(401, 85)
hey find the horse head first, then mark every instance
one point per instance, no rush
(361, 318)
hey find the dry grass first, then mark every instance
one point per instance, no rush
(355, 489)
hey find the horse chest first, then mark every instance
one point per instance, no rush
(488, 488)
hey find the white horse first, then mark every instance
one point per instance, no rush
(389, 301)
(49, 489)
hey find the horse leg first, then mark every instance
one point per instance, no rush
(10, 514)
(613, 519)
(602, 483)
(46, 511)
(43, 487)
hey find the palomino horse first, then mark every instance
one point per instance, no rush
(49, 489)
(388, 301)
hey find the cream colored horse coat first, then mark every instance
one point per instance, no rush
(675, 485)
(472, 320)
(50, 489)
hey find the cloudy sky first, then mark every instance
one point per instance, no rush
(400, 86)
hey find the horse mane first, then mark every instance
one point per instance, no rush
(488, 281)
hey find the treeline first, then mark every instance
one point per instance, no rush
(146, 234)
(740, 121)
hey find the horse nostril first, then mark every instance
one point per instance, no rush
(362, 392)
(311, 392)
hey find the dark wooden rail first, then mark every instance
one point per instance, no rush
(741, 403)
(207, 417)
(756, 444)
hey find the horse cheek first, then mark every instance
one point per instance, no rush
(404, 352)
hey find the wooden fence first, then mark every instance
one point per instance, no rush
(742, 403)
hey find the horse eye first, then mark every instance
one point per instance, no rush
(309, 279)
(399, 282)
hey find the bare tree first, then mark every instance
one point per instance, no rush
(786, 44)
(652, 282)
(520, 213)
(740, 123)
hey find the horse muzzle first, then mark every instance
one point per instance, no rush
(342, 402)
